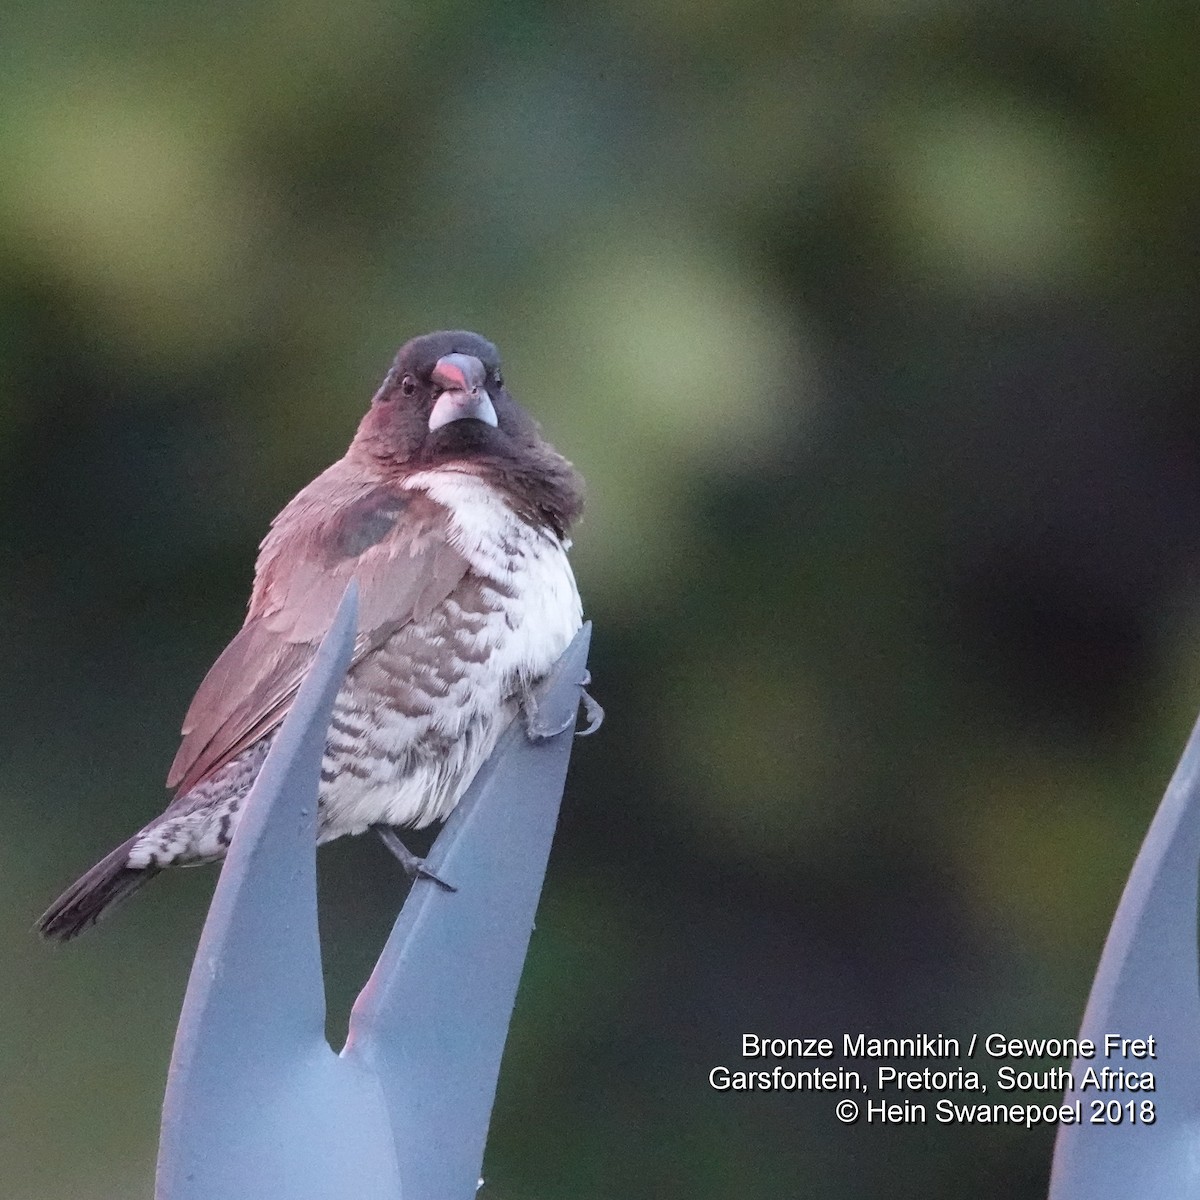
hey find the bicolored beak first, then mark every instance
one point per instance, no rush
(463, 397)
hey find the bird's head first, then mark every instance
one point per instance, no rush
(444, 404)
(444, 399)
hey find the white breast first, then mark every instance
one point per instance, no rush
(524, 636)
(546, 612)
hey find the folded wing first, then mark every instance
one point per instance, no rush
(394, 542)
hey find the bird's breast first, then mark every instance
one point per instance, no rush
(418, 717)
(536, 605)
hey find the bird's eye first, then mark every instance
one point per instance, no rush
(408, 385)
(499, 379)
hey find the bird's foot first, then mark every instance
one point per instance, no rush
(414, 867)
(592, 709)
(536, 730)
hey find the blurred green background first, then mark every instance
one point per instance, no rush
(872, 327)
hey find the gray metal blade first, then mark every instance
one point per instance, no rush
(433, 1018)
(1148, 984)
(257, 1104)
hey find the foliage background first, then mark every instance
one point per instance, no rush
(872, 327)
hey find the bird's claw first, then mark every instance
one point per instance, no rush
(593, 711)
(414, 867)
(423, 872)
(530, 715)
(537, 732)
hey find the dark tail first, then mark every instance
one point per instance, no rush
(88, 898)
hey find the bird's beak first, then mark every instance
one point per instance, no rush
(461, 378)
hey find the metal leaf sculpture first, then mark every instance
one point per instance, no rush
(257, 1102)
(1147, 985)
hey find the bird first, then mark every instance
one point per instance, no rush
(453, 514)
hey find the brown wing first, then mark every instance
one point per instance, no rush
(395, 543)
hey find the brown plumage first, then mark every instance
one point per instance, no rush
(451, 512)
(338, 528)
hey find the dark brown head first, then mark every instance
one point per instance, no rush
(444, 404)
